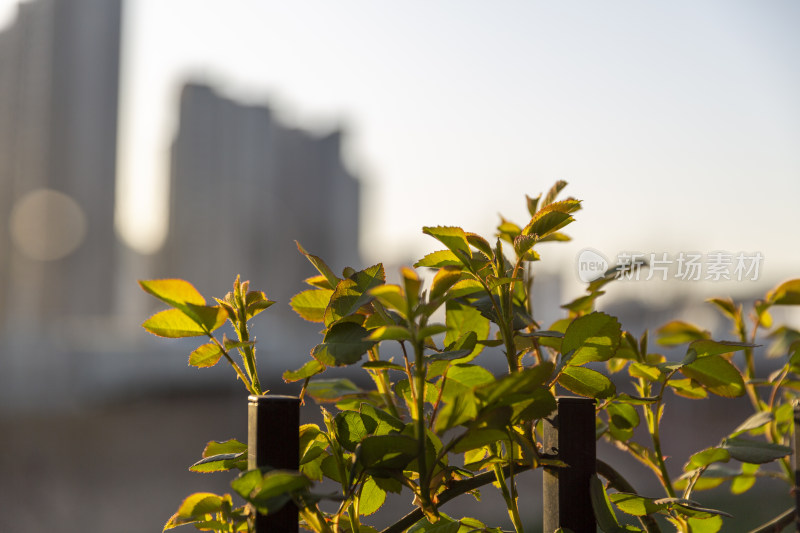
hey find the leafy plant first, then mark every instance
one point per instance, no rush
(438, 425)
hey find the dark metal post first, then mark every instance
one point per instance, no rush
(569, 435)
(273, 440)
(796, 406)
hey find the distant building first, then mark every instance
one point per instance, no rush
(244, 187)
(59, 72)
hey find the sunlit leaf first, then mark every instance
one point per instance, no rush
(717, 374)
(311, 304)
(586, 382)
(679, 332)
(205, 356)
(310, 368)
(787, 293)
(593, 337)
(173, 323)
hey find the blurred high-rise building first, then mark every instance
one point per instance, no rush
(244, 187)
(59, 72)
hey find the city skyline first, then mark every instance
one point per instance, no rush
(676, 124)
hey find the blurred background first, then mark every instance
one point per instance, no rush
(199, 139)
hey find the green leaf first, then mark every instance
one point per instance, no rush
(311, 304)
(623, 419)
(344, 344)
(523, 243)
(465, 287)
(717, 374)
(255, 302)
(756, 452)
(707, 347)
(586, 382)
(725, 305)
(331, 390)
(477, 438)
(205, 356)
(439, 259)
(390, 333)
(505, 390)
(391, 296)
(635, 505)
(352, 428)
(454, 238)
(601, 504)
(320, 265)
(194, 508)
(173, 292)
(174, 324)
(462, 319)
(221, 463)
(382, 365)
(371, 498)
(593, 337)
(705, 525)
(687, 388)
(552, 194)
(787, 293)
(387, 451)
(353, 293)
(382, 422)
(431, 330)
(445, 278)
(310, 368)
(679, 332)
(707, 457)
(228, 446)
(753, 422)
(481, 244)
(456, 411)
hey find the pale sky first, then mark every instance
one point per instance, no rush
(677, 123)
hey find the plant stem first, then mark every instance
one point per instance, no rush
(456, 489)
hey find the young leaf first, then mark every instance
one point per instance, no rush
(445, 278)
(552, 194)
(707, 347)
(173, 292)
(228, 446)
(344, 344)
(331, 390)
(593, 337)
(320, 265)
(707, 457)
(454, 238)
(221, 463)
(439, 259)
(194, 508)
(787, 293)
(311, 304)
(174, 324)
(371, 498)
(586, 382)
(205, 356)
(678, 332)
(310, 368)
